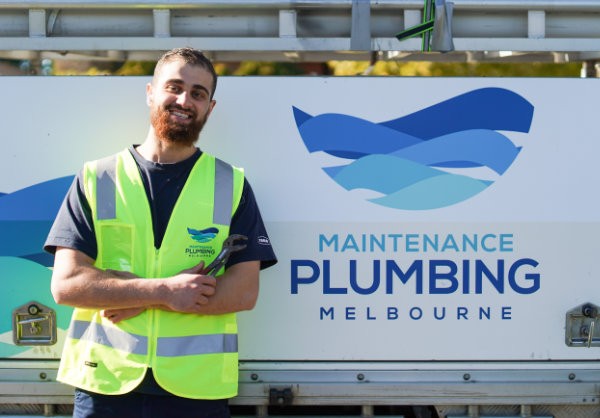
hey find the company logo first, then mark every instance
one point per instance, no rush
(203, 235)
(433, 158)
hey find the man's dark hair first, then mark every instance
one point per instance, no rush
(190, 56)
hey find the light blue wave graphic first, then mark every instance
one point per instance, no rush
(412, 161)
(471, 148)
(204, 235)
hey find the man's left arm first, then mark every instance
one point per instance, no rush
(237, 289)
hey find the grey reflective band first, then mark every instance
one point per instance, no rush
(166, 347)
(109, 337)
(105, 188)
(223, 193)
(197, 344)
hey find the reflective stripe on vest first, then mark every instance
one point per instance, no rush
(110, 337)
(106, 189)
(196, 344)
(223, 193)
(166, 347)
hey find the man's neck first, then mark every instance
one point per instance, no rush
(158, 151)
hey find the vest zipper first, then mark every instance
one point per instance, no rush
(152, 334)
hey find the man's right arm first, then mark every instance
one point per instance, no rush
(77, 282)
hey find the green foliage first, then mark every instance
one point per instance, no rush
(136, 68)
(91, 71)
(268, 68)
(524, 69)
(454, 69)
(91, 68)
(342, 68)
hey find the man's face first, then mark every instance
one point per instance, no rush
(180, 103)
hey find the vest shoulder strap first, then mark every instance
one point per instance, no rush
(106, 190)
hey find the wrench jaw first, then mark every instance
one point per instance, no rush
(229, 246)
(232, 242)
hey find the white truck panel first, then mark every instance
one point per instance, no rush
(542, 208)
(365, 306)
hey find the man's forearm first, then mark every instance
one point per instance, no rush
(86, 286)
(77, 282)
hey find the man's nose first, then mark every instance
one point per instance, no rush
(183, 99)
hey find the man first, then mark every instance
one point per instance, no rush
(152, 335)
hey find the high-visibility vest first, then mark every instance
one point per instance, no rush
(193, 356)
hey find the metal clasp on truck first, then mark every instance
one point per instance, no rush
(34, 324)
(582, 328)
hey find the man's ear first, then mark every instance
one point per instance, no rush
(149, 94)
(212, 105)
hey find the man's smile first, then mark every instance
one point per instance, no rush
(181, 114)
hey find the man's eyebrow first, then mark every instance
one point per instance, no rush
(180, 82)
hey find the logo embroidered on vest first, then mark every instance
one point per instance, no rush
(203, 236)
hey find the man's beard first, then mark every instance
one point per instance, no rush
(170, 131)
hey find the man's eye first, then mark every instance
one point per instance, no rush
(198, 95)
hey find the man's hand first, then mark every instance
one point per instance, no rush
(189, 290)
(118, 315)
(194, 290)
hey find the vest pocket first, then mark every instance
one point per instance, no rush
(115, 246)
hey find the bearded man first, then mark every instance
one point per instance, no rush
(152, 335)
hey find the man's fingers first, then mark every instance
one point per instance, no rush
(197, 269)
(118, 315)
(202, 300)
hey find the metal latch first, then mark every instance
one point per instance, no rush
(582, 328)
(34, 324)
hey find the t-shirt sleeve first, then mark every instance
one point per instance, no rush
(73, 226)
(248, 221)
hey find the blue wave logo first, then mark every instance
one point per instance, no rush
(435, 157)
(203, 235)
(26, 216)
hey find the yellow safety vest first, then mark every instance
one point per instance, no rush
(193, 356)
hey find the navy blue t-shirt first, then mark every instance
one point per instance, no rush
(73, 226)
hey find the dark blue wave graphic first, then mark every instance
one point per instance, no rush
(26, 216)
(37, 202)
(410, 160)
(489, 108)
(360, 137)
